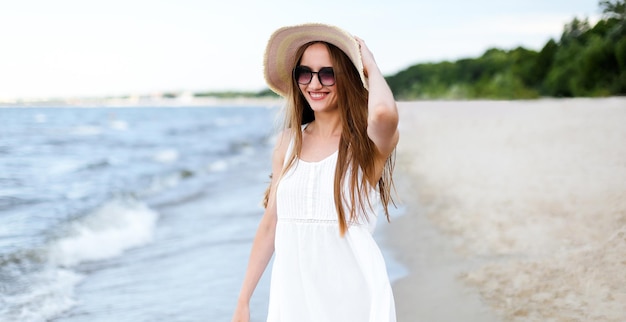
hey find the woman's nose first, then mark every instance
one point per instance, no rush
(315, 81)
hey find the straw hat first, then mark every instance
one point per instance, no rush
(284, 42)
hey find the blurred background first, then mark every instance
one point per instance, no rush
(118, 48)
(136, 135)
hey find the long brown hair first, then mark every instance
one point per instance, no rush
(355, 158)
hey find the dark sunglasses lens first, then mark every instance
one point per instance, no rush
(303, 75)
(327, 76)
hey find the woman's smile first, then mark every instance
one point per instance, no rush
(318, 95)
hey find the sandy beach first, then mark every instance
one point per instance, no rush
(512, 211)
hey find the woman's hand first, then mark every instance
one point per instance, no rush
(366, 56)
(242, 313)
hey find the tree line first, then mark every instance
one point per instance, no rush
(586, 61)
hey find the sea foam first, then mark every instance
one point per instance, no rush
(43, 286)
(110, 230)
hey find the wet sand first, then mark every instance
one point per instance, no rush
(513, 211)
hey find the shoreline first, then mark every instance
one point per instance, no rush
(431, 284)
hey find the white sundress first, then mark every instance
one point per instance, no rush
(318, 275)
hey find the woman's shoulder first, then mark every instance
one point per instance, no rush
(284, 138)
(283, 141)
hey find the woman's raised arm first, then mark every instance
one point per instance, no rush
(382, 123)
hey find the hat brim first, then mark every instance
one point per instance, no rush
(285, 42)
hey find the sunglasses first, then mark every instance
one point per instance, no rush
(303, 75)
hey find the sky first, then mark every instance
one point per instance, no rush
(78, 48)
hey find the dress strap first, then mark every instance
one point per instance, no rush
(291, 144)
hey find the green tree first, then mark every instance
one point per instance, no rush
(575, 31)
(543, 64)
(613, 9)
(596, 70)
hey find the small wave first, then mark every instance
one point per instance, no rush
(78, 190)
(218, 166)
(50, 292)
(40, 118)
(98, 164)
(110, 230)
(87, 130)
(161, 183)
(191, 130)
(64, 166)
(166, 156)
(58, 142)
(238, 146)
(228, 121)
(118, 125)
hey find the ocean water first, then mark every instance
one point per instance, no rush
(131, 214)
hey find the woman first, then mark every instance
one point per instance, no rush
(331, 169)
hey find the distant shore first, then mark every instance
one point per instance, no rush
(515, 210)
(186, 101)
(147, 102)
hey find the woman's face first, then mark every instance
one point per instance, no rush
(321, 97)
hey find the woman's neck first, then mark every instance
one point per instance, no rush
(325, 125)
